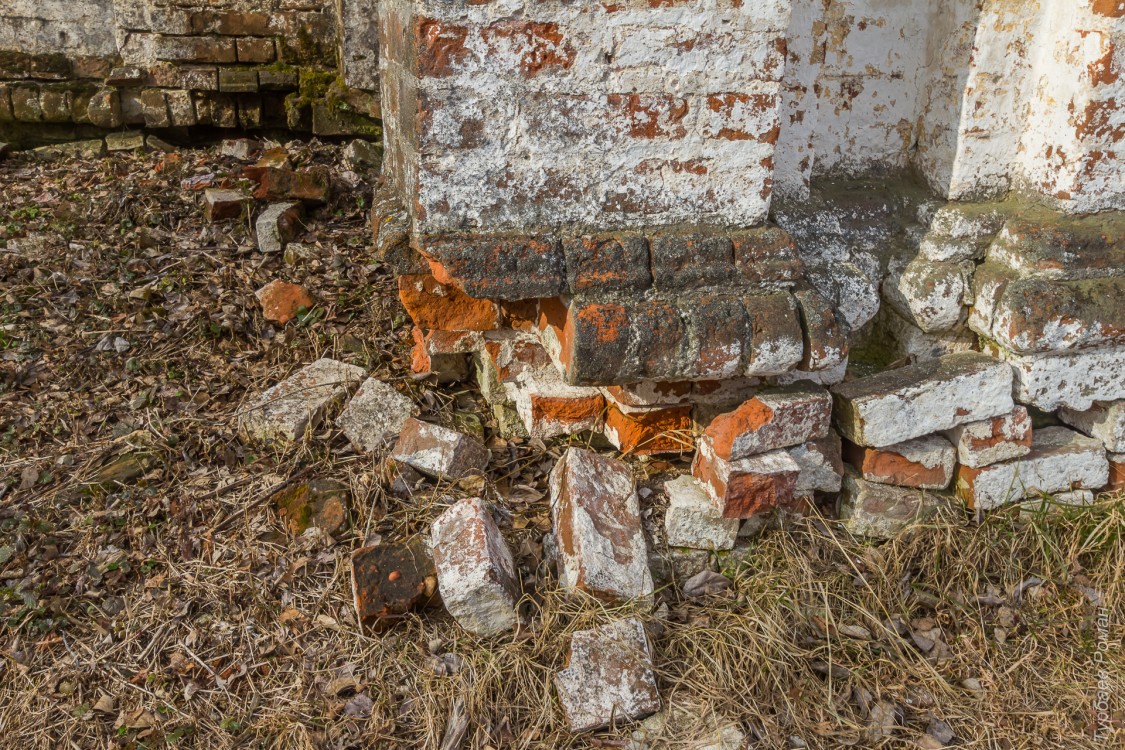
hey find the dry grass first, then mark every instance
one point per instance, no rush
(172, 609)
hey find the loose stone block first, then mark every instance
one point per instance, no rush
(922, 463)
(747, 487)
(692, 520)
(277, 225)
(899, 405)
(439, 452)
(882, 511)
(649, 431)
(221, 204)
(289, 409)
(1103, 420)
(476, 574)
(777, 418)
(1060, 460)
(821, 465)
(1075, 380)
(992, 440)
(431, 304)
(608, 676)
(596, 516)
(375, 416)
(135, 141)
(391, 579)
(930, 295)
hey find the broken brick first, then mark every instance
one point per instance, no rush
(749, 486)
(220, 204)
(992, 440)
(649, 430)
(431, 304)
(391, 579)
(286, 412)
(439, 452)
(777, 418)
(282, 301)
(882, 511)
(375, 416)
(923, 463)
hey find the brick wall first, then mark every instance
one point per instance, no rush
(303, 64)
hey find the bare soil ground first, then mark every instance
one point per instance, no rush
(151, 595)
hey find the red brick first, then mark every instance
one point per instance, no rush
(431, 304)
(750, 486)
(767, 255)
(922, 463)
(778, 418)
(615, 262)
(274, 183)
(649, 115)
(391, 579)
(497, 267)
(281, 301)
(645, 431)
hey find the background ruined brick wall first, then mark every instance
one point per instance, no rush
(301, 64)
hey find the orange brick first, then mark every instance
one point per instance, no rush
(432, 304)
(648, 431)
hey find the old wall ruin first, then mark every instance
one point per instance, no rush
(637, 215)
(307, 65)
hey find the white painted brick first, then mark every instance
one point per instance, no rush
(882, 511)
(289, 409)
(692, 520)
(1104, 420)
(375, 415)
(898, 405)
(992, 440)
(1060, 460)
(476, 574)
(1074, 380)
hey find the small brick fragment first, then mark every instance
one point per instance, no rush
(431, 304)
(444, 354)
(277, 225)
(1104, 420)
(596, 517)
(776, 418)
(375, 416)
(882, 511)
(476, 574)
(289, 409)
(922, 463)
(992, 440)
(649, 430)
(1060, 460)
(439, 452)
(220, 204)
(692, 520)
(899, 405)
(391, 579)
(1116, 472)
(279, 184)
(608, 676)
(821, 464)
(750, 486)
(322, 503)
(282, 301)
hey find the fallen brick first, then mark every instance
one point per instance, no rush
(820, 463)
(775, 418)
(279, 184)
(883, 511)
(608, 676)
(1075, 380)
(135, 141)
(692, 520)
(289, 409)
(899, 405)
(439, 452)
(750, 486)
(1060, 460)
(1103, 420)
(242, 149)
(391, 579)
(220, 204)
(431, 304)
(476, 574)
(921, 463)
(596, 517)
(322, 503)
(375, 416)
(282, 301)
(649, 430)
(992, 440)
(277, 225)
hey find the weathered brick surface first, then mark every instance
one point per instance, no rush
(1104, 420)
(476, 575)
(882, 511)
(692, 520)
(502, 268)
(438, 451)
(389, 580)
(596, 516)
(992, 440)
(1060, 460)
(821, 465)
(1075, 380)
(375, 416)
(608, 676)
(750, 486)
(923, 463)
(898, 405)
(285, 412)
(777, 418)
(649, 430)
(431, 304)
